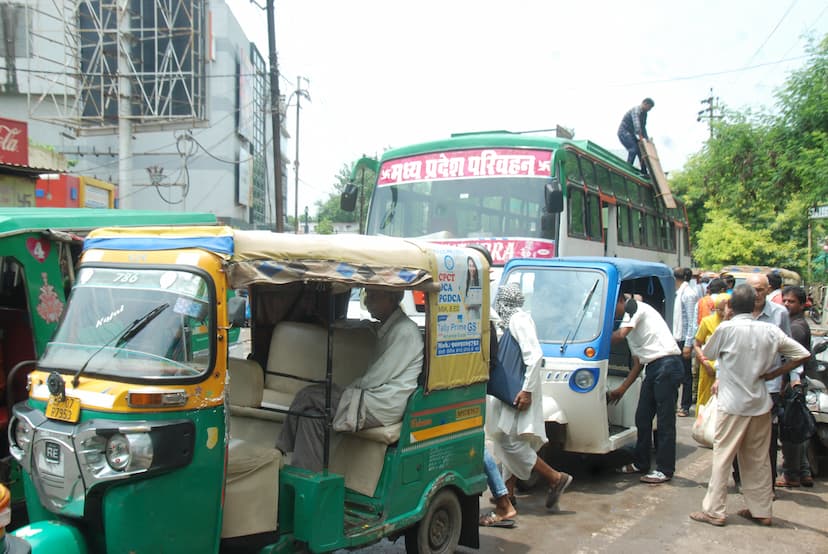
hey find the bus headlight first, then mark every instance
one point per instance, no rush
(584, 379)
(129, 452)
(22, 434)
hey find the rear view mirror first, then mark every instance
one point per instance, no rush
(236, 308)
(553, 197)
(348, 199)
(630, 306)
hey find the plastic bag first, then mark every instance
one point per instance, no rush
(796, 423)
(704, 428)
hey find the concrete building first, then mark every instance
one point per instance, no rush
(168, 100)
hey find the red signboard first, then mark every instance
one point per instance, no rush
(14, 142)
(503, 250)
(490, 162)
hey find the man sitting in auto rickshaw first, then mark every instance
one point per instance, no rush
(376, 399)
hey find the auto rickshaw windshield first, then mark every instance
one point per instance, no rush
(134, 324)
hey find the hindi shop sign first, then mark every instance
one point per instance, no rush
(819, 212)
(14, 142)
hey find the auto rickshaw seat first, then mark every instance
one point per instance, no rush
(251, 498)
(248, 421)
(299, 349)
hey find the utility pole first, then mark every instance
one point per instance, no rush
(299, 92)
(275, 113)
(124, 108)
(711, 112)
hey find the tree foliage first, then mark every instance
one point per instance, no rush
(330, 211)
(749, 189)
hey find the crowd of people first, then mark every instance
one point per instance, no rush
(746, 344)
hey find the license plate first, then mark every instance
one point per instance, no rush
(67, 409)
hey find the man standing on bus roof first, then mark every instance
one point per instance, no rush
(634, 127)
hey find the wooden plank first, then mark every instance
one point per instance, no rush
(650, 157)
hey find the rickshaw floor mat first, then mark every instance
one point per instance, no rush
(359, 516)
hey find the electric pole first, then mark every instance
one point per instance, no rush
(711, 112)
(275, 113)
(299, 92)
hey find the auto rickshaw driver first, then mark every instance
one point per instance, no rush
(376, 399)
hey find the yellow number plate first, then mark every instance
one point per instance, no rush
(67, 409)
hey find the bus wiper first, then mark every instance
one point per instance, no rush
(573, 333)
(123, 337)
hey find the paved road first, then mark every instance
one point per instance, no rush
(607, 512)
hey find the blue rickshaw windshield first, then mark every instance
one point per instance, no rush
(567, 304)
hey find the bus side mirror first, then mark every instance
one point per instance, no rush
(236, 308)
(553, 197)
(348, 199)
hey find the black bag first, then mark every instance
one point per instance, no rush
(507, 371)
(796, 423)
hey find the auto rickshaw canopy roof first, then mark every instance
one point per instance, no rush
(15, 221)
(265, 257)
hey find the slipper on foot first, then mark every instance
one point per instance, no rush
(707, 518)
(493, 520)
(763, 521)
(554, 494)
(627, 469)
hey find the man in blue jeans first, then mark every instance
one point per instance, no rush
(655, 350)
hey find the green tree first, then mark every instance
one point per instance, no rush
(748, 190)
(364, 179)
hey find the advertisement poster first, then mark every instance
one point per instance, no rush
(459, 303)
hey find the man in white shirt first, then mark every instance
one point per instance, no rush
(376, 399)
(747, 352)
(775, 314)
(684, 331)
(653, 347)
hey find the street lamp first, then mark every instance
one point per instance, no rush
(299, 93)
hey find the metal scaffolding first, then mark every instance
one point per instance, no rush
(96, 62)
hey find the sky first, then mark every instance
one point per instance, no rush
(387, 73)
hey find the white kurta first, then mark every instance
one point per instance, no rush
(508, 428)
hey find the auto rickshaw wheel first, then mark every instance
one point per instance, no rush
(439, 530)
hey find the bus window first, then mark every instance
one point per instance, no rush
(617, 186)
(576, 212)
(650, 227)
(593, 217)
(624, 224)
(570, 167)
(602, 177)
(588, 173)
(637, 227)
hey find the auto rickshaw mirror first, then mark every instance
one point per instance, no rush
(236, 311)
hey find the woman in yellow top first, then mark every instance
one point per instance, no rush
(708, 324)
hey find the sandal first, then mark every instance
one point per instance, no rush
(707, 518)
(554, 494)
(682, 413)
(784, 482)
(493, 520)
(764, 521)
(627, 469)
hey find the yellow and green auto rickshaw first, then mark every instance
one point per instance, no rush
(142, 434)
(39, 248)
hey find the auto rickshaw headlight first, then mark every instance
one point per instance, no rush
(22, 434)
(129, 452)
(584, 379)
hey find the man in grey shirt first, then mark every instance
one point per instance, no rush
(747, 352)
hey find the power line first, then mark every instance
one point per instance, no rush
(778, 23)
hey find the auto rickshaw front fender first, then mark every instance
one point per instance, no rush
(52, 537)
